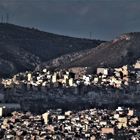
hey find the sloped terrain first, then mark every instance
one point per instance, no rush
(23, 48)
(120, 51)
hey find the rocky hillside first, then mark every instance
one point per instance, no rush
(120, 51)
(24, 48)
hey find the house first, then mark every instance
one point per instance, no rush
(8, 108)
(122, 122)
(107, 130)
(45, 117)
(103, 71)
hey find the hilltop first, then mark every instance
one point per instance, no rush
(24, 48)
(115, 53)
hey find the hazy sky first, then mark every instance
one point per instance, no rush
(106, 19)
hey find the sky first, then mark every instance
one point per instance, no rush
(96, 19)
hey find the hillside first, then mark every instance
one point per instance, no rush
(24, 48)
(120, 51)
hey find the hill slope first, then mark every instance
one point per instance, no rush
(120, 51)
(24, 48)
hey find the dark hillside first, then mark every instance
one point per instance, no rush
(25, 48)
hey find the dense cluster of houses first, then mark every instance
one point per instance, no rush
(40, 90)
(114, 77)
(90, 124)
(57, 83)
(36, 91)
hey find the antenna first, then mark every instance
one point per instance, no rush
(7, 18)
(90, 35)
(2, 19)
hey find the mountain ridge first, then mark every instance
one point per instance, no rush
(120, 51)
(23, 48)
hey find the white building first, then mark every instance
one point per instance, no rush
(45, 117)
(29, 77)
(71, 82)
(137, 65)
(54, 78)
(103, 71)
